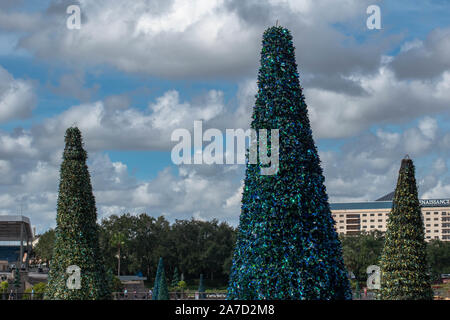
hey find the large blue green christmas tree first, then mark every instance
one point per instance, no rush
(287, 247)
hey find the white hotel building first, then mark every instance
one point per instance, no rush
(354, 217)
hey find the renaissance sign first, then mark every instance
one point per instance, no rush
(435, 203)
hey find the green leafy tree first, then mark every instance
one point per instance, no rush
(36, 292)
(77, 232)
(404, 274)
(287, 247)
(438, 254)
(44, 248)
(3, 286)
(118, 241)
(362, 250)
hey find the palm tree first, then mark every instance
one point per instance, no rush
(118, 240)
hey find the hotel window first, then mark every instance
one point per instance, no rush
(341, 221)
(341, 227)
(428, 213)
(428, 237)
(436, 237)
(436, 225)
(436, 212)
(364, 227)
(380, 226)
(428, 225)
(372, 220)
(428, 231)
(428, 219)
(380, 220)
(341, 215)
(364, 221)
(444, 213)
(372, 226)
(372, 214)
(436, 219)
(364, 215)
(380, 214)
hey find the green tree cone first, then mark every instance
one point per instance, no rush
(404, 271)
(76, 240)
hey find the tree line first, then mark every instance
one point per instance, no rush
(205, 247)
(193, 247)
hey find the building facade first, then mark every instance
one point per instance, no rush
(354, 217)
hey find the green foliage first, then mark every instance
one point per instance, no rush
(27, 295)
(193, 246)
(77, 236)
(40, 287)
(287, 247)
(182, 285)
(44, 248)
(360, 251)
(403, 261)
(114, 282)
(3, 286)
(39, 291)
(438, 254)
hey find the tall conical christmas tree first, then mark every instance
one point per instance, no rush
(287, 247)
(76, 240)
(404, 273)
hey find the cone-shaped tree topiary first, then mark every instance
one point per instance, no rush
(160, 291)
(163, 292)
(76, 240)
(287, 247)
(201, 287)
(176, 278)
(404, 273)
(17, 283)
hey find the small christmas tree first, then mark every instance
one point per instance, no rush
(77, 241)
(287, 246)
(17, 282)
(160, 291)
(201, 287)
(176, 278)
(404, 273)
(163, 293)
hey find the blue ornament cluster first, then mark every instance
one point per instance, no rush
(287, 247)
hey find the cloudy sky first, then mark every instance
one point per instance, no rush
(137, 70)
